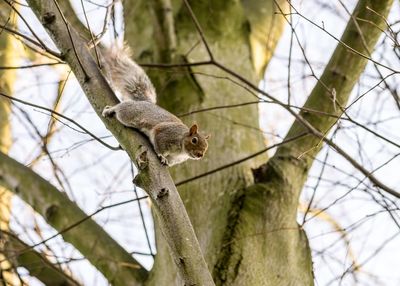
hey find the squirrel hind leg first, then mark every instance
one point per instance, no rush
(108, 111)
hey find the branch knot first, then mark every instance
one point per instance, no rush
(48, 18)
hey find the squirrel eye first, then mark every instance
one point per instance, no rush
(194, 140)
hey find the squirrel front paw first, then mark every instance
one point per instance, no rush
(108, 111)
(164, 161)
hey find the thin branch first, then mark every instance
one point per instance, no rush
(141, 214)
(79, 222)
(64, 117)
(30, 66)
(36, 263)
(343, 43)
(72, 40)
(48, 50)
(61, 213)
(91, 34)
(241, 160)
(199, 29)
(43, 45)
(364, 171)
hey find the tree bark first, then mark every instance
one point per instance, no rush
(229, 28)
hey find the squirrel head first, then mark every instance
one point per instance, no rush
(195, 143)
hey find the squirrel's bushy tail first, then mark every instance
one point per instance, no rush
(126, 76)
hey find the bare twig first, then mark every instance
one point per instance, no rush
(64, 117)
(241, 160)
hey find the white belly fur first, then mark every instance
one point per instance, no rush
(177, 158)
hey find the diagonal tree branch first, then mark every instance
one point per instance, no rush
(339, 77)
(89, 238)
(36, 263)
(155, 179)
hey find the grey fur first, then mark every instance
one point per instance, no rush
(126, 76)
(172, 140)
(165, 131)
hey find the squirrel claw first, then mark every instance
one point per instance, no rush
(107, 112)
(163, 160)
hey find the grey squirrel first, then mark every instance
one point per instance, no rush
(172, 140)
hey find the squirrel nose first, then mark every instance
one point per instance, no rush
(199, 154)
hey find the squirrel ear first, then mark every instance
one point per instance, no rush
(193, 129)
(207, 136)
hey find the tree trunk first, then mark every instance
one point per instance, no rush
(212, 202)
(248, 232)
(267, 231)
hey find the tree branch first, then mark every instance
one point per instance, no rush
(341, 74)
(36, 263)
(89, 238)
(174, 221)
